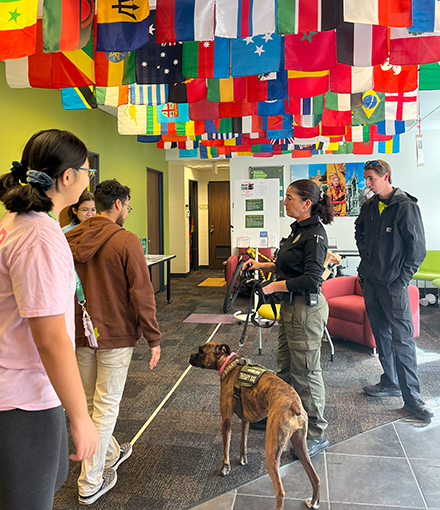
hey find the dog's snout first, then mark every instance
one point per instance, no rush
(194, 360)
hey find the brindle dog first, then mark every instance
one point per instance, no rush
(271, 397)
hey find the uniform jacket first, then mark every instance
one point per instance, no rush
(301, 257)
(114, 275)
(391, 244)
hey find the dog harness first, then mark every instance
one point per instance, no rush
(248, 376)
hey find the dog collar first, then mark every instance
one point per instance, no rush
(220, 372)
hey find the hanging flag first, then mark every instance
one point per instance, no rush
(375, 136)
(67, 24)
(357, 133)
(401, 106)
(425, 16)
(389, 147)
(310, 51)
(268, 108)
(188, 91)
(247, 124)
(255, 55)
(390, 127)
(408, 48)
(342, 102)
(393, 78)
(306, 135)
(333, 118)
(307, 120)
(172, 112)
(148, 139)
(388, 13)
(345, 79)
(296, 16)
(361, 45)
(132, 119)
(112, 96)
(122, 25)
(159, 63)
(190, 20)
(363, 147)
(372, 110)
(114, 68)
(78, 98)
(226, 89)
(148, 94)
(18, 28)
(243, 18)
(206, 59)
(204, 110)
(303, 84)
(429, 77)
(236, 108)
(207, 152)
(307, 105)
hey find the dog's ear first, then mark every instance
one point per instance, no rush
(222, 349)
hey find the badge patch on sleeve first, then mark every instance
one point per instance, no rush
(388, 229)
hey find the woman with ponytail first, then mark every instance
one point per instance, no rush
(38, 370)
(304, 311)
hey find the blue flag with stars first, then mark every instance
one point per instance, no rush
(255, 55)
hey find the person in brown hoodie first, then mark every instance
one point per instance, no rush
(119, 296)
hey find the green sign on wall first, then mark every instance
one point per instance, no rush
(270, 172)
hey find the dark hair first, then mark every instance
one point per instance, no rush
(380, 166)
(107, 192)
(321, 203)
(52, 152)
(85, 196)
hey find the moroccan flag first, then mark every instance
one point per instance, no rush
(188, 91)
(361, 45)
(407, 48)
(204, 110)
(123, 25)
(342, 102)
(372, 110)
(148, 94)
(345, 79)
(310, 51)
(67, 24)
(243, 18)
(296, 16)
(389, 147)
(190, 20)
(302, 84)
(425, 16)
(78, 98)
(112, 96)
(357, 133)
(206, 59)
(429, 76)
(306, 105)
(226, 89)
(255, 55)
(401, 105)
(388, 13)
(363, 147)
(18, 28)
(389, 78)
(236, 108)
(114, 68)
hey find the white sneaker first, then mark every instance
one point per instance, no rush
(109, 478)
(126, 451)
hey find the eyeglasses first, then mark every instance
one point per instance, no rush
(85, 210)
(129, 209)
(374, 163)
(91, 172)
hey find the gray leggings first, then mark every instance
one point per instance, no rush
(33, 458)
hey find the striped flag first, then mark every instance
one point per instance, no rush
(342, 102)
(112, 96)
(296, 16)
(226, 89)
(78, 98)
(357, 133)
(408, 48)
(114, 68)
(307, 120)
(307, 105)
(190, 20)
(207, 59)
(361, 45)
(148, 94)
(388, 13)
(303, 84)
(244, 18)
(390, 146)
(345, 79)
(18, 28)
(425, 16)
(390, 127)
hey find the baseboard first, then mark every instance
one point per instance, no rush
(180, 275)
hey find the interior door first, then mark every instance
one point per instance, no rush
(155, 224)
(193, 226)
(219, 223)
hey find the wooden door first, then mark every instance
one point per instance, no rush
(219, 223)
(155, 224)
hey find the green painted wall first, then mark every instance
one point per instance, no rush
(25, 111)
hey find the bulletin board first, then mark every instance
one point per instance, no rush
(256, 218)
(270, 172)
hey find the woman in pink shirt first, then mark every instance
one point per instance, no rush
(38, 370)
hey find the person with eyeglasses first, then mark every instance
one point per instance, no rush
(39, 376)
(111, 266)
(391, 241)
(84, 209)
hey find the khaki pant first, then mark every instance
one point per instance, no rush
(300, 331)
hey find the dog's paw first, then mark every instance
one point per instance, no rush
(242, 460)
(308, 503)
(225, 469)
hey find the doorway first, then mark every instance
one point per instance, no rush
(193, 225)
(219, 210)
(155, 240)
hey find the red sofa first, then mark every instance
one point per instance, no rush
(347, 315)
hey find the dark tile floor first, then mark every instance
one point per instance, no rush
(393, 467)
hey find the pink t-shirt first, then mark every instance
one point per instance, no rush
(36, 280)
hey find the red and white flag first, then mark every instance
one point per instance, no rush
(401, 106)
(345, 79)
(244, 18)
(388, 13)
(408, 48)
(394, 78)
(361, 45)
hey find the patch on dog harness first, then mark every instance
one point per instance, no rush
(249, 376)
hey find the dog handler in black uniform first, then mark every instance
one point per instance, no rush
(304, 311)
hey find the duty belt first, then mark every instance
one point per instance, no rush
(288, 297)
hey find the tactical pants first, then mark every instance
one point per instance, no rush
(391, 321)
(300, 331)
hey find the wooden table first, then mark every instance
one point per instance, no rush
(161, 259)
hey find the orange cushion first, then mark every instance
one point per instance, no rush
(348, 308)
